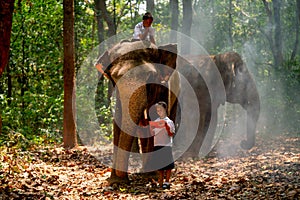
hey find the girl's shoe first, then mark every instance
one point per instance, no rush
(166, 186)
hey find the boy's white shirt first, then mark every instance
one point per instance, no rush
(161, 137)
(140, 29)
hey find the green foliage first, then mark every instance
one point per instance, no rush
(292, 67)
(31, 92)
(280, 98)
(37, 117)
(32, 106)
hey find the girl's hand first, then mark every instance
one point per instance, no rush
(168, 129)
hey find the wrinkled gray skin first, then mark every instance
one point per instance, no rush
(239, 86)
(130, 66)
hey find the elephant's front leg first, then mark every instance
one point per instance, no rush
(125, 141)
(133, 98)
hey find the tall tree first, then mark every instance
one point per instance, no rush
(230, 25)
(272, 34)
(6, 12)
(103, 15)
(278, 57)
(69, 135)
(297, 19)
(99, 18)
(187, 24)
(174, 9)
(109, 19)
(150, 6)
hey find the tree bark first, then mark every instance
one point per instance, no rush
(174, 9)
(6, 13)
(69, 135)
(268, 33)
(112, 29)
(187, 24)
(150, 6)
(100, 8)
(278, 57)
(295, 49)
(99, 18)
(230, 25)
(274, 35)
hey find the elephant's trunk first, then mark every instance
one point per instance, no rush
(253, 110)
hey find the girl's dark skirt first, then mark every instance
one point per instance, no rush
(161, 158)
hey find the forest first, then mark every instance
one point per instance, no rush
(37, 139)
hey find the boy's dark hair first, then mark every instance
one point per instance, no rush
(147, 15)
(163, 104)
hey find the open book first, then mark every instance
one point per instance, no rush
(157, 124)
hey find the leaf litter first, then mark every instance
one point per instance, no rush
(271, 170)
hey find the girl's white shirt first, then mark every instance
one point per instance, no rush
(161, 137)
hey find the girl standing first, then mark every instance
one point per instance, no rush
(163, 130)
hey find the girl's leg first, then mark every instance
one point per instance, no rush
(161, 177)
(168, 175)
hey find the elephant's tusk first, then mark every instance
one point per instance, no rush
(232, 69)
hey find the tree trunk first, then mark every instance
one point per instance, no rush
(6, 12)
(69, 135)
(99, 7)
(174, 9)
(0, 124)
(99, 18)
(273, 35)
(295, 49)
(112, 29)
(230, 25)
(187, 24)
(278, 57)
(150, 6)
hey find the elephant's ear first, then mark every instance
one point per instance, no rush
(168, 57)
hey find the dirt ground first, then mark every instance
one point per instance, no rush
(271, 170)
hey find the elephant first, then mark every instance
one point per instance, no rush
(238, 87)
(136, 69)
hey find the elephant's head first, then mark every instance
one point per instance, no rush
(241, 89)
(140, 63)
(125, 56)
